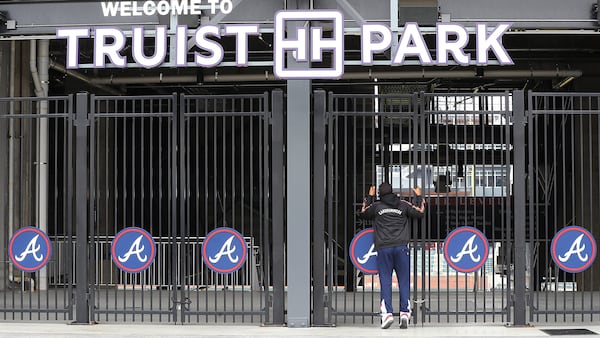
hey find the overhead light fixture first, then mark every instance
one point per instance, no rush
(564, 82)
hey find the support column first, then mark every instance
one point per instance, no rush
(298, 186)
(298, 202)
(43, 65)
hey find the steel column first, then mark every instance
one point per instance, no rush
(298, 202)
(82, 315)
(318, 253)
(278, 193)
(519, 208)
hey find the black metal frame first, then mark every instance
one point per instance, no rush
(93, 139)
(563, 157)
(23, 296)
(364, 139)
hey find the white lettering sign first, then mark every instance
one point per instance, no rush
(162, 7)
(295, 39)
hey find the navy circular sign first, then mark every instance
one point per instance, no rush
(224, 250)
(466, 249)
(29, 249)
(362, 252)
(573, 249)
(133, 250)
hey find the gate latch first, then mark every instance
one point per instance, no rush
(178, 303)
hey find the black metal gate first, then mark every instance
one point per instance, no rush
(457, 147)
(564, 180)
(225, 166)
(133, 179)
(180, 167)
(37, 190)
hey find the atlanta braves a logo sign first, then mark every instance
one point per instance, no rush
(466, 249)
(133, 250)
(29, 249)
(573, 249)
(224, 250)
(362, 252)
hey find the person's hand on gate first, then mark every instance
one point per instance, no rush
(417, 191)
(372, 191)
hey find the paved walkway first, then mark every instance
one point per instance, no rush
(28, 329)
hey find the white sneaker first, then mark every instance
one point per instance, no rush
(404, 321)
(387, 320)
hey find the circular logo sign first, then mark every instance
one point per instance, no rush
(29, 249)
(362, 252)
(573, 249)
(466, 249)
(133, 250)
(224, 250)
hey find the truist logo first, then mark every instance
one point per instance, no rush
(318, 44)
(307, 44)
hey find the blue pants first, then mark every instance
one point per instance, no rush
(398, 259)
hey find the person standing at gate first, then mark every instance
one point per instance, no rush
(391, 224)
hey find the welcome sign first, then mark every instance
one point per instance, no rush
(307, 43)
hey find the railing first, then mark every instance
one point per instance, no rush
(159, 274)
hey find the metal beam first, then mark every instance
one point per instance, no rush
(351, 11)
(82, 315)
(520, 301)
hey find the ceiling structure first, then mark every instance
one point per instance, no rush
(555, 45)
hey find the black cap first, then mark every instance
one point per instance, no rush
(385, 188)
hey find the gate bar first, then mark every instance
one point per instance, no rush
(82, 315)
(277, 175)
(519, 208)
(318, 264)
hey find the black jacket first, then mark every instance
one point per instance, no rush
(391, 214)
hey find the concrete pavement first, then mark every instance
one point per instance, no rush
(58, 329)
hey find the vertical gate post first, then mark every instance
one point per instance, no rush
(318, 199)
(519, 192)
(278, 207)
(81, 123)
(178, 199)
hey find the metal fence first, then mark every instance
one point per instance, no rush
(564, 177)
(180, 166)
(225, 164)
(37, 189)
(458, 149)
